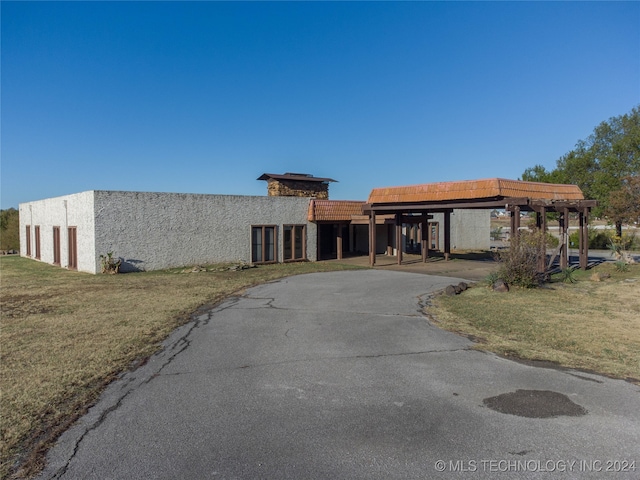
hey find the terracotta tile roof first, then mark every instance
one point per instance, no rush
(475, 189)
(333, 210)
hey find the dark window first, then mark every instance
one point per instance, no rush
(56, 245)
(37, 241)
(28, 240)
(72, 233)
(263, 244)
(295, 247)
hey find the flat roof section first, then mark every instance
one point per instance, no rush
(297, 177)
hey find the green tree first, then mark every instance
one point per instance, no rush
(599, 164)
(624, 203)
(9, 229)
(537, 174)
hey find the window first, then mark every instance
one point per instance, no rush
(28, 240)
(37, 241)
(295, 245)
(72, 233)
(56, 245)
(263, 244)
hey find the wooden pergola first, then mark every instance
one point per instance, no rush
(416, 204)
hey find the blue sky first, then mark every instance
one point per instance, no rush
(204, 97)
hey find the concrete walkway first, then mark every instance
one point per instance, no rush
(339, 376)
(471, 266)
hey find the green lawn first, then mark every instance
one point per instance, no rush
(588, 325)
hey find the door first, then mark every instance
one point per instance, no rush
(56, 245)
(73, 248)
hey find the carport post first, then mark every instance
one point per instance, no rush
(584, 238)
(541, 223)
(447, 234)
(564, 227)
(424, 235)
(515, 222)
(372, 238)
(399, 237)
(339, 242)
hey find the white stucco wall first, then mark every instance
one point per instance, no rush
(66, 211)
(470, 230)
(152, 231)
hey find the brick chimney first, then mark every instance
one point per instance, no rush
(296, 185)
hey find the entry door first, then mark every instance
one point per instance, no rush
(37, 239)
(56, 245)
(73, 247)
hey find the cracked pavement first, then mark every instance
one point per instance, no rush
(339, 375)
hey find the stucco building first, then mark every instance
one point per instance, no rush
(295, 221)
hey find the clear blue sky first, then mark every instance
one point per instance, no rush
(204, 97)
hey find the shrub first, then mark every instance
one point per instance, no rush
(552, 241)
(621, 266)
(496, 233)
(598, 239)
(519, 263)
(567, 275)
(110, 264)
(492, 278)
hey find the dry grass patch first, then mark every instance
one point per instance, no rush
(65, 335)
(586, 325)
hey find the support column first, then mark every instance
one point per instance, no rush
(541, 223)
(424, 237)
(447, 234)
(515, 222)
(372, 238)
(580, 236)
(399, 237)
(564, 238)
(584, 238)
(339, 242)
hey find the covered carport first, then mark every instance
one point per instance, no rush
(415, 204)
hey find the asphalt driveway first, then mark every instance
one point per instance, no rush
(339, 376)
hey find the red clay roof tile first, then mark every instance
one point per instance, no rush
(333, 210)
(475, 189)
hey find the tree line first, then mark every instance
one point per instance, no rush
(9, 229)
(606, 166)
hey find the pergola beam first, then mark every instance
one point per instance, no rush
(439, 207)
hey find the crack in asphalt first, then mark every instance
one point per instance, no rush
(200, 319)
(320, 359)
(128, 387)
(269, 304)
